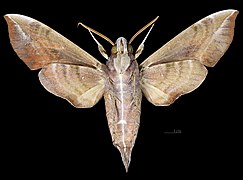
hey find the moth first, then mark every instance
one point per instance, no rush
(175, 69)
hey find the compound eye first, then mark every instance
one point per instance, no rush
(114, 49)
(130, 49)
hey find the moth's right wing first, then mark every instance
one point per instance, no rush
(179, 67)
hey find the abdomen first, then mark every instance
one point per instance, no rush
(123, 107)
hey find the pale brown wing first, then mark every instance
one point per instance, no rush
(164, 83)
(38, 45)
(177, 67)
(82, 86)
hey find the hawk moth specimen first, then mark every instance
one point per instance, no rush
(69, 72)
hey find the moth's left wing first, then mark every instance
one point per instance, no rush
(82, 86)
(178, 67)
(38, 45)
(67, 70)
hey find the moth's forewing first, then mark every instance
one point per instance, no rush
(206, 41)
(176, 68)
(38, 45)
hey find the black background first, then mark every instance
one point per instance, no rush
(44, 136)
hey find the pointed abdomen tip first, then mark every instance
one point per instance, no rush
(126, 156)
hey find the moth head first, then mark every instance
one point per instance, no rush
(122, 47)
(121, 55)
